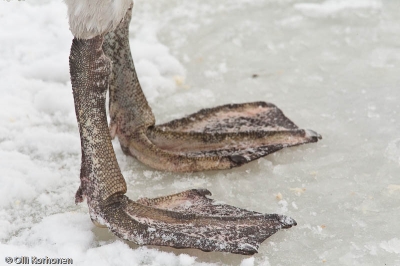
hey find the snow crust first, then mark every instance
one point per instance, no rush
(332, 66)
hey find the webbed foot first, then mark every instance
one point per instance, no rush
(216, 138)
(191, 220)
(184, 220)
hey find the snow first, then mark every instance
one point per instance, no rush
(332, 66)
(247, 262)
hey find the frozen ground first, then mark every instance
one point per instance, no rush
(332, 66)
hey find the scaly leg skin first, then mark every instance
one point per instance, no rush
(218, 138)
(185, 220)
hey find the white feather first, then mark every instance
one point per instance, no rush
(89, 18)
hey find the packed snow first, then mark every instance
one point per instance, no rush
(332, 66)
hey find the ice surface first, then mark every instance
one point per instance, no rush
(332, 66)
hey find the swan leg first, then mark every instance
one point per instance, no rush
(129, 109)
(165, 221)
(217, 138)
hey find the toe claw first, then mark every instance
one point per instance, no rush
(238, 159)
(313, 135)
(286, 221)
(202, 191)
(247, 249)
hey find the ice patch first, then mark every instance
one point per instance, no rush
(330, 7)
(393, 189)
(298, 190)
(392, 151)
(391, 246)
(284, 206)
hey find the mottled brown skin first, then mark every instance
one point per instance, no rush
(184, 220)
(216, 138)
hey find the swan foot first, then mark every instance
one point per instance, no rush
(216, 138)
(191, 220)
(185, 220)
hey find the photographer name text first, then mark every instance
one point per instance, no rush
(38, 260)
